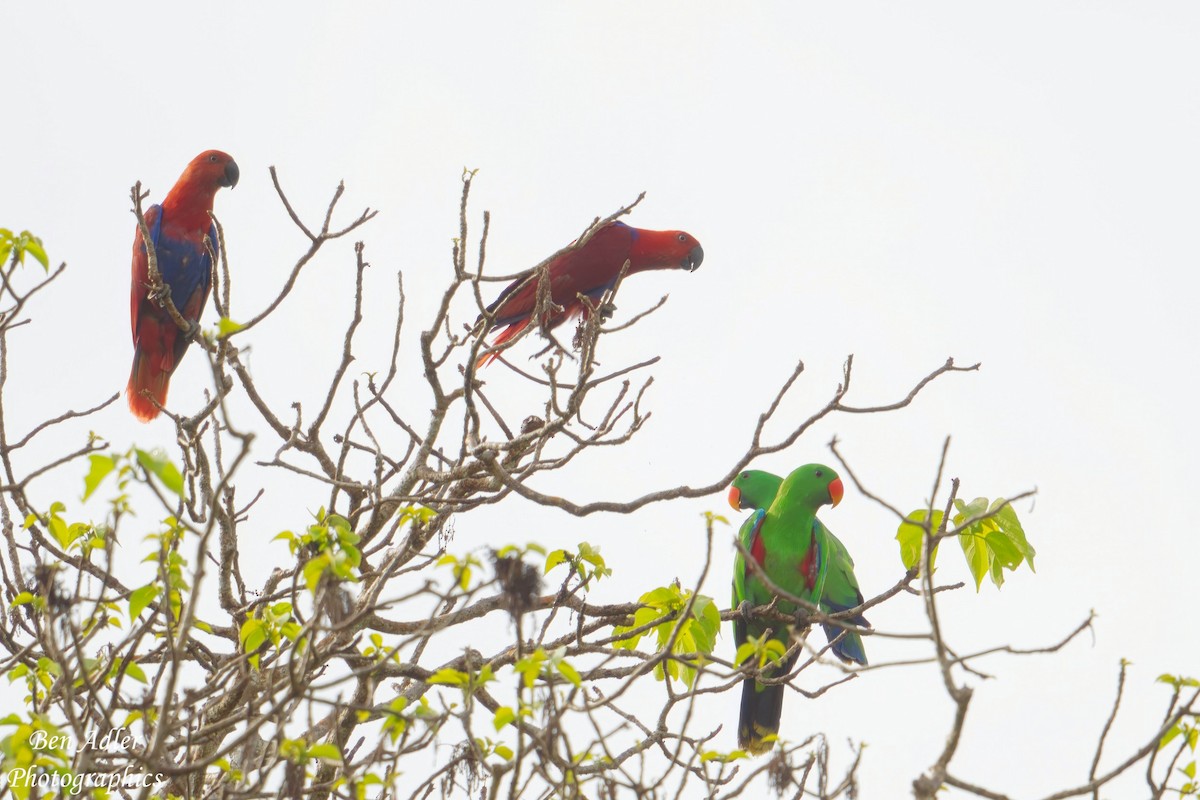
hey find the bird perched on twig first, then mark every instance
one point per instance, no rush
(791, 547)
(588, 271)
(177, 229)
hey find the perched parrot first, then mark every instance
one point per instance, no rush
(791, 545)
(590, 271)
(756, 489)
(177, 229)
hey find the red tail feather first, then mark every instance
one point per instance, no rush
(505, 335)
(147, 375)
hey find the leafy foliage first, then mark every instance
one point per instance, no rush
(1186, 732)
(586, 562)
(273, 626)
(15, 246)
(990, 534)
(331, 547)
(686, 623)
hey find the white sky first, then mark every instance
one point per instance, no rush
(1013, 185)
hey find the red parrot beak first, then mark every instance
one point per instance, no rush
(735, 498)
(691, 262)
(836, 490)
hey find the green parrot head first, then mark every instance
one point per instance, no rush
(812, 486)
(753, 489)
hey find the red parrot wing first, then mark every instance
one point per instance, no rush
(140, 278)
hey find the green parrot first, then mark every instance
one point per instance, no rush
(756, 489)
(791, 545)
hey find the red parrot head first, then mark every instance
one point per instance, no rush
(191, 198)
(210, 170)
(665, 250)
(213, 167)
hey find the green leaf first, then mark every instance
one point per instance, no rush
(555, 558)
(133, 670)
(1002, 554)
(1167, 737)
(226, 326)
(911, 536)
(58, 529)
(503, 716)
(140, 598)
(591, 555)
(21, 599)
(745, 652)
(157, 465)
(419, 514)
(101, 465)
(773, 650)
(976, 508)
(33, 246)
(504, 751)
(449, 677)
(1004, 550)
(570, 673)
(253, 633)
(326, 752)
(314, 568)
(530, 667)
(992, 538)
(1006, 519)
(976, 553)
(15, 247)
(711, 516)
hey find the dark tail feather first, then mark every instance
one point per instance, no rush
(146, 376)
(850, 647)
(762, 708)
(505, 335)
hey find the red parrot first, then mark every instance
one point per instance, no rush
(590, 271)
(177, 230)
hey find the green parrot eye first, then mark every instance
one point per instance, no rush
(820, 474)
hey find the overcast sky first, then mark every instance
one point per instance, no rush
(1014, 185)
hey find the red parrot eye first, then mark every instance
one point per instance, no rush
(213, 159)
(682, 237)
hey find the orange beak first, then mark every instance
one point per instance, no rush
(735, 498)
(836, 490)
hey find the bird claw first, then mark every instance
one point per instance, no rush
(744, 609)
(160, 295)
(606, 311)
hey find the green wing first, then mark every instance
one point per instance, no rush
(841, 592)
(746, 536)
